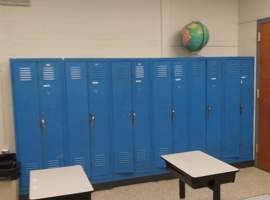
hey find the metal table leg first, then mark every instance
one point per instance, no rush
(182, 189)
(216, 192)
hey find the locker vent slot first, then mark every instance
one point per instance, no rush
(162, 71)
(213, 72)
(244, 70)
(97, 73)
(122, 73)
(48, 73)
(79, 161)
(196, 71)
(234, 70)
(123, 158)
(163, 151)
(178, 71)
(139, 71)
(53, 163)
(75, 73)
(100, 160)
(141, 155)
(25, 74)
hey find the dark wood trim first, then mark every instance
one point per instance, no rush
(259, 22)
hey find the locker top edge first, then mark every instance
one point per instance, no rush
(35, 59)
(232, 57)
(129, 59)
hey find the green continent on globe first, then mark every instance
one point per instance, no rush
(194, 36)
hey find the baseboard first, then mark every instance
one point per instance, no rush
(153, 178)
(244, 164)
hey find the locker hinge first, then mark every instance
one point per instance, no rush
(258, 93)
(257, 148)
(259, 36)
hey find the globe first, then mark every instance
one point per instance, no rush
(194, 36)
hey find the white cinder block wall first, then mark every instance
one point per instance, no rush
(107, 28)
(249, 12)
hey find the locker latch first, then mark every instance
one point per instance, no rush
(133, 118)
(241, 109)
(42, 124)
(208, 111)
(173, 114)
(91, 120)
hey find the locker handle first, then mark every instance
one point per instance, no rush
(92, 120)
(42, 124)
(133, 118)
(173, 114)
(241, 109)
(208, 111)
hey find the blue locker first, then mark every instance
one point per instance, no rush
(78, 140)
(214, 107)
(122, 118)
(180, 105)
(161, 110)
(99, 87)
(51, 91)
(197, 102)
(247, 95)
(231, 121)
(26, 114)
(141, 114)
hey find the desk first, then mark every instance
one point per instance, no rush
(199, 170)
(64, 183)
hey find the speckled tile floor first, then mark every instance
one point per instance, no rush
(250, 182)
(261, 197)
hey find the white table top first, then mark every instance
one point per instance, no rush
(58, 182)
(198, 164)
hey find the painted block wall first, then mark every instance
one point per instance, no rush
(104, 28)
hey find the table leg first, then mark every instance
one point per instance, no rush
(216, 192)
(182, 189)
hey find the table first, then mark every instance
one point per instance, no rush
(63, 183)
(199, 170)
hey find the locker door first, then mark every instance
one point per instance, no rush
(214, 107)
(180, 106)
(231, 134)
(122, 117)
(99, 82)
(77, 115)
(197, 104)
(161, 99)
(247, 95)
(141, 114)
(26, 113)
(51, 76)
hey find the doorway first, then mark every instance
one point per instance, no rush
(263, 95)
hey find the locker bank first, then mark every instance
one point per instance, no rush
(134, 100)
